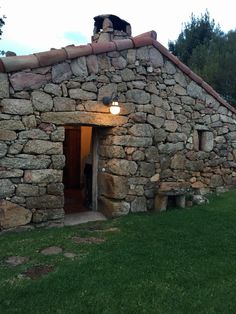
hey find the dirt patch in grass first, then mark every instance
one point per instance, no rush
(88, 240)
(38, 271)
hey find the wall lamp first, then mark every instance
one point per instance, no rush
(112, 101)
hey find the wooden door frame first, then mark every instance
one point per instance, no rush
(95, 168)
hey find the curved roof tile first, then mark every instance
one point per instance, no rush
(49, 57)
(17, 63)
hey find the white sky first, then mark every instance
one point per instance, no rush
(38, 25)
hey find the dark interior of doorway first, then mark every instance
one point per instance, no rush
(77, 174)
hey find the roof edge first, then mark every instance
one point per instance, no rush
(53, 56)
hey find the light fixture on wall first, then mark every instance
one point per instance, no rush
(112, 101)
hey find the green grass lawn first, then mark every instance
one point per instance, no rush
(181, 261)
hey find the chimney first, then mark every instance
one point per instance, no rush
(110, 27)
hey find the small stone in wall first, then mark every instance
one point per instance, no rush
(155, 178)
(4, 86)
(3, 149)
(7, 188)
(139, 204)
(42, 101)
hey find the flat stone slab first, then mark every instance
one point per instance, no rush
(84, 217)
(16, 260)
(70, 255)
(51, 250)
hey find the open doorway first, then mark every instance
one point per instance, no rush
(77, 175)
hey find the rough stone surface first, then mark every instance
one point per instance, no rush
(4, 86)
(61, 118)
(7, 188)
(170, 136)
(53, 89)
(27, 190)
(51, 250)
(43, 147)
(3, 149)
(122, 167)
(79, 67)
(42, 101)
(17, 106)
(25, 162)
(11, 125)
(43, 176)
(139, 205)
(138, 96)
(45, 201)
(78, 93)
(64, 104)
(112, 186)
(160, 203)
(13, 215)
(61, 72)
(7, 135)
(27, 81)
(112, 208)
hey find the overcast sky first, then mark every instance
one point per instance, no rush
(38, 25)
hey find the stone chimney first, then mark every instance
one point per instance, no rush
(110, 27)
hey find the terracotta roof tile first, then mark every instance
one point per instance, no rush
(51, 57)
(123, 44)
(78, 51)
(142, 41)
(151, 34)
(184, 68)
(16, 63)
(195, 78)
(207, 87)
(103, 47)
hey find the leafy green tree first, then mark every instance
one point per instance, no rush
(2, 23)
(198, 31)
(210, 53)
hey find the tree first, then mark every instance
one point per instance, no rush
(2, 23)
(198, 31)
(210, 53)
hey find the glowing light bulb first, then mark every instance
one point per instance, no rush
(115, 108)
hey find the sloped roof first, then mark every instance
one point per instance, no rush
(46, 58)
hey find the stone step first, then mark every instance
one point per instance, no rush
(84, 217)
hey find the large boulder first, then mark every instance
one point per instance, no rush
(13, 215)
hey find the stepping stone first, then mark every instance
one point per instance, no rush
(16, 260)
(89, 240)
(69, 255)
(52, 250)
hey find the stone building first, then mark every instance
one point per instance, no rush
(174, 136)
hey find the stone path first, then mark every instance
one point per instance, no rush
(38, 271)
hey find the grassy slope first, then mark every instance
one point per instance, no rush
(181, 261)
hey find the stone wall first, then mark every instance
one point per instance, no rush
(169, 130)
